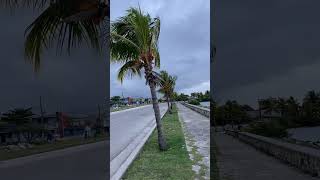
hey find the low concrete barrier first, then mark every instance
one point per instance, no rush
(304, 158)
(201, 110)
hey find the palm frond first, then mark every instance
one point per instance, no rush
(49, 28)
(130, 68)
(134, 37)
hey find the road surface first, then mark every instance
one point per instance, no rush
(125, 125)
(125, 128)
(76, 163)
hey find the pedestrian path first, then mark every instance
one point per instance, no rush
(197, 133)
(239, 161)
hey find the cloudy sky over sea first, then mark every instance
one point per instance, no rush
(184, 44)
(266, 48)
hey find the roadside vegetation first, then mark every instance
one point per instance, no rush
(273, 116)
(171, 164)
(126, 107)
(194, 102)
(6, 154)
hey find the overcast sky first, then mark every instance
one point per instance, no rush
(184, 44)
(76, 83)
(266, 48)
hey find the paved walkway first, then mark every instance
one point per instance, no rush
(197, 132)
(239, 161)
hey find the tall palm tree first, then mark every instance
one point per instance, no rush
(134, 42)
(167, 84)
(68, 23)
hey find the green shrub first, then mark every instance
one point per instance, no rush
(194, 102)
(269, 129)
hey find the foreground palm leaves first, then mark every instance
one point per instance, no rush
(66, 23)
(134, 43)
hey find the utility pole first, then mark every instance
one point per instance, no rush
(41, 112)
(99, 123)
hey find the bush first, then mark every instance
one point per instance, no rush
(194, 102)
(268, 129)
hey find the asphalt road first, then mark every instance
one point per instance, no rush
(77, 163)
(125, 125)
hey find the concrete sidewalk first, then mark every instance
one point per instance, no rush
(239, 161)
(197, 134)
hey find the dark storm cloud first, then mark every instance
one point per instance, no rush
(75, 83)
(261, 41)
(183, 44)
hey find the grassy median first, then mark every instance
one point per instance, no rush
(36, 149)
(174, 163)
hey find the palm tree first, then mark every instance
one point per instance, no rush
(20, 118)
(269, 105)
(134, 42)
(167, 84)
(282, 106)
(68, 23)
(293, 107)
(311, 105)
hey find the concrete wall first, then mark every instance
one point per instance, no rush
(304, 158)
(201, 110)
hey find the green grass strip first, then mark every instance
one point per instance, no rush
(174, 163)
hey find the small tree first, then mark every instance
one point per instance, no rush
(21, 118)
(167, 85)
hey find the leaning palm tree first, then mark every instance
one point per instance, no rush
(67, 23)
(134, 43)
(167, 84)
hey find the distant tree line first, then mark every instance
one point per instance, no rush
(194, 98)
(19, 122)
(282, 112)
(305, 114)
(231, 113)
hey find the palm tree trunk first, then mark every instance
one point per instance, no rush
(161, 140)
(168, 102)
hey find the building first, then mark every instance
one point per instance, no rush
(59, 124)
